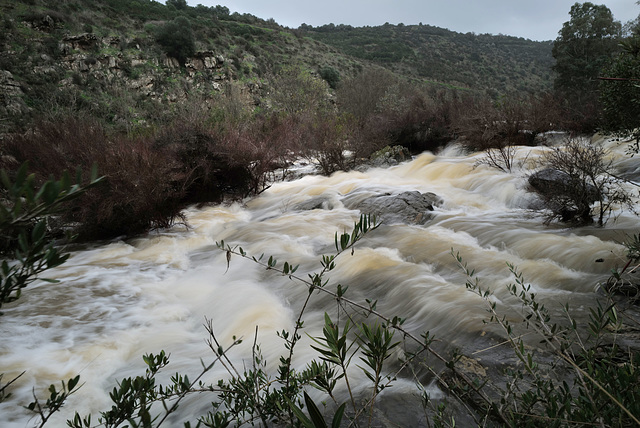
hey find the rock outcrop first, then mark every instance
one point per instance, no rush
(386, 157)
(11, 102)
(79, 61)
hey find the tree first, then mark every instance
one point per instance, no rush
(620, 90)
(178, 4)
(585, 43)
(177, 39)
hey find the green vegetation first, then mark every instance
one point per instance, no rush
(602, 387)
(94, 81)
(176, 38)
(585, 44)
(27, 244)
(620, 90)
(491, 64)
(331, 76)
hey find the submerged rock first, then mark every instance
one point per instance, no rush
(318, 203)
(406, 207)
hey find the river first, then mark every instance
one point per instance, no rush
(120, 299)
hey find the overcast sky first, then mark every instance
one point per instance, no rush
(531, 19)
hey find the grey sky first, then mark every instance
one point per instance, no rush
(531, 19)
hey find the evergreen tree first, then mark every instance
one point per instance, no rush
(620, 90)
(584, 45)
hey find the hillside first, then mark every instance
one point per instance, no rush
(494, 64)
(106, 57)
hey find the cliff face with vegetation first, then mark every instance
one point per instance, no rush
(120, 60)
(110, 58)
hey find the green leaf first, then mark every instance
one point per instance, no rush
(314, 412)
(39, 231)
(337, 417)
(73, 382)
(21, 175)
(6, 183)
(304, 420)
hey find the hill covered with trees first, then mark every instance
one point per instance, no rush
(494, 64)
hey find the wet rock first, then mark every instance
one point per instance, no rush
(386, 157)
(317, 203)
(390, 155)
(406, 207)
(551, 181)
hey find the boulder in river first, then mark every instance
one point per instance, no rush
(406, 207)
(550, 181)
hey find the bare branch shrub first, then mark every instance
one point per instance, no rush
(137, 193)
(502, 158)
(328, 140)
(423, 121)
(485, 124)
(575, 176)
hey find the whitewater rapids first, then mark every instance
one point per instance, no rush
(119, 300)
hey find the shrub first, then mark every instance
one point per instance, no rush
(327, 140)
(592, 378)
(360, 95)
(575, 176)
(296, 91)
(204, 167)
(502, 158)
(331, 76)
(176, 37)
(484, 124)
(417, 119)
(137, 193)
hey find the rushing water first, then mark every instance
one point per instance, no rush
(122, 299)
